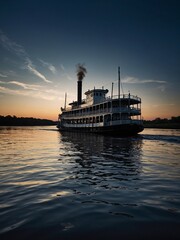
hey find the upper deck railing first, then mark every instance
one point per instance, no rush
(124, 96)
(107, 99)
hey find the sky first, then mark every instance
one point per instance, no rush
(41, 43)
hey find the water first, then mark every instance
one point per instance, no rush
(81, 186)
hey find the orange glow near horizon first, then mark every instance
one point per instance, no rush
(38, 108)
(153, 104)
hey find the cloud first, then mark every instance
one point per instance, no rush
(8, 73)
(31, 90)
(2, 75)
(134, 80)
(162, 88)
(26, 93)
(68, 77)
(12, 46)
(8, 90)
(31, 93)
(62, 67)
(49, 66)
(32, 69)
(20, 52)
(64, 73)
(23, 85)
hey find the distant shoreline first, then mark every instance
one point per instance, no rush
(25, 121)
(173, 123)
(162, 126)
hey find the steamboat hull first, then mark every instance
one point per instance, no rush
(125, 130)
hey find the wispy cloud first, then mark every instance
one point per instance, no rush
(62, 67)
(134, 80)
(8, 73)
(26, 85)
(12, 46)
(2, 75)
(31, 90)
(11, 91)
(49, 66)
(20, 52)
(64, 73)
(33, 94)
(23, 85)
(32, 69)
(68, 77)
(162, 88)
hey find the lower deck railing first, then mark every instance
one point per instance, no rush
(102, 124)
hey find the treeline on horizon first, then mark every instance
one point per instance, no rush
(173, 122)
(24, 121)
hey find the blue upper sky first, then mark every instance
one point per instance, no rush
(42, 41)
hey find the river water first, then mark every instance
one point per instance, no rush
(83, 186)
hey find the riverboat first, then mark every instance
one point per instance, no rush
(98, 113)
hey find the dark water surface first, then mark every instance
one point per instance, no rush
(81, 186)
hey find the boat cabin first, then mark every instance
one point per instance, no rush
(95, 96)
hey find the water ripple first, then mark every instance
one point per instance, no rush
(63, 185)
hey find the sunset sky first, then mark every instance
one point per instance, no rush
(41, 42)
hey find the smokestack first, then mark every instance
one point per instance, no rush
(81, 71)
(79, 92)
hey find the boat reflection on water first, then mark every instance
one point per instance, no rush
(103, 175)
(114, 191)
(101, 156)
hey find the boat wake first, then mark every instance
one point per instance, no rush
(166, 138)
